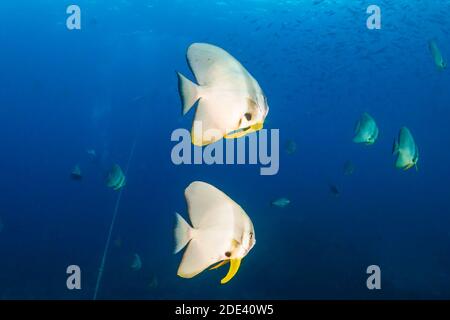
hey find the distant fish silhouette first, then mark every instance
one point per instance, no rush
(116, 179)
(349, 168)
(334, 190)
(438, 59)
(137, 263)
(366, 130)
(118, 242)
(281, 202)
(153, 284)
(76, 173)
(290, 147)
(406, 150)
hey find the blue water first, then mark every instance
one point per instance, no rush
(113, 82)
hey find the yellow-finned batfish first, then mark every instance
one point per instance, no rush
(406, 150)
(231, 103)
(221, 232)
(439, 61)
(116, 179)
(366, 130)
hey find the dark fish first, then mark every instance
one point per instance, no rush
(334, 190)
(290, 147)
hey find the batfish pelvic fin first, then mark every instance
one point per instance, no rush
(234, 267)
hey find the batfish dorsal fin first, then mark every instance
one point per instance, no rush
(357, 126)
(209, 207)
(213, 66)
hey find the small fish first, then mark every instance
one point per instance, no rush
(290, 147)
(76, 173)
(281, 202)
(137, 263)
(118, 242)
(91, 152)
(153, 284)
(221, 232)
(92, 155)
(116, 179)
(231, 104)
(349, 168)
(438, 59)
(334, 190)
(366, 130)
(406, 150)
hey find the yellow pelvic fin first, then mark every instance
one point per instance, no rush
(236, 135)
(222, 263)
(258, 126)
(194, 140)
(241, 133)
(234, 267)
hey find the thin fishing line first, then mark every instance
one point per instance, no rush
(111, 227)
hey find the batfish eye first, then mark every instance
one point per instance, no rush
(248, 116)
(228, 254)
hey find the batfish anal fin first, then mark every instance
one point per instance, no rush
(408, 166)
(222, 263)
(241, 133)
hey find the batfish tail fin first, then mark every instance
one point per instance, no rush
(188, 92)
(183, 233)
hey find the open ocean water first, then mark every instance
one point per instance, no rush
(65, 94)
